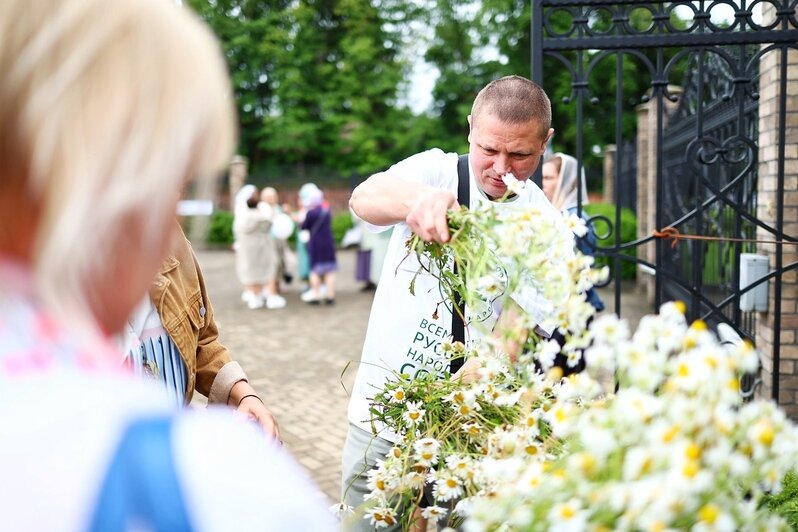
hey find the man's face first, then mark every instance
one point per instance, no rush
(497, 148)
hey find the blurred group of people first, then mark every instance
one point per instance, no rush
(260, 229)
(264, 258)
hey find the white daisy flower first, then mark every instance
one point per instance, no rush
(414, 413)
(381, 516)
(513, 184)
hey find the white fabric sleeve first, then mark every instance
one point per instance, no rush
(428, 167)
(231, 475)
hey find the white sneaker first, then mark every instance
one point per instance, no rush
(310, 297)
(255, 302)
(275, 301)
(247, 295)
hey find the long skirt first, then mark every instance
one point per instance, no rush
(363, 265)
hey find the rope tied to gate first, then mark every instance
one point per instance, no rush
(676, 236)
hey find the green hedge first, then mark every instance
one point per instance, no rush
(785, 503)
(628, 231)
(220, 228)
(341, 223)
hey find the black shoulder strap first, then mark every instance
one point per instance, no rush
(464, 199)
(463, 189)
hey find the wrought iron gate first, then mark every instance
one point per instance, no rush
(706, 145)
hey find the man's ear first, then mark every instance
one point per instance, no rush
(470, 126)
(548, 137)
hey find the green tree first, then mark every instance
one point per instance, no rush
(317, 81)
(254, 37)
(463, 31)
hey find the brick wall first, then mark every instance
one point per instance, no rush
(768, 193)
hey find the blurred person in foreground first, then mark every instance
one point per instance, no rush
(102, 122)
(509, 127)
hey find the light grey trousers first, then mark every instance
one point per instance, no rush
(361, 452)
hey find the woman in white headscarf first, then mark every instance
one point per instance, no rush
(256, 262)
(562, 187)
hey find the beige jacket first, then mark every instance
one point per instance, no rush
(178, 292)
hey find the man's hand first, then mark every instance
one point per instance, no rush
(427, 216)
(469, 371)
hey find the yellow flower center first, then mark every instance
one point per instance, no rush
(766, 436)
(567, 512)
(380, 485)
(684, 369)
(680, 306)
(413, 415)
(400, 394)
(450, 482)
(691, 468)
(709, 514)
(648, 463)
(588, 464)
(531, 450)
(670, 434)
(693, 451)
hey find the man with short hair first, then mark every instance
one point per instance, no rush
(509, 129)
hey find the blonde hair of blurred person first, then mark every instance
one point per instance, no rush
(97, 144)
(107, 109)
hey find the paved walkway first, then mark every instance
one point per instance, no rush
(302, 359)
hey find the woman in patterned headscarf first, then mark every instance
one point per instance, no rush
(561, 185)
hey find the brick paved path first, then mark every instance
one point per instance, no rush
(295, 357)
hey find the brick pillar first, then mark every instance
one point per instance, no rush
(610, 154)
(239, 170)
(767, 194)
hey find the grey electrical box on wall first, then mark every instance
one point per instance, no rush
(752, 268)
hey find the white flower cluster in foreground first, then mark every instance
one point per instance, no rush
(674, 448)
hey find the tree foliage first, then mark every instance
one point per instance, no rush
(504, 26)
(324, 83)
(317, 81)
